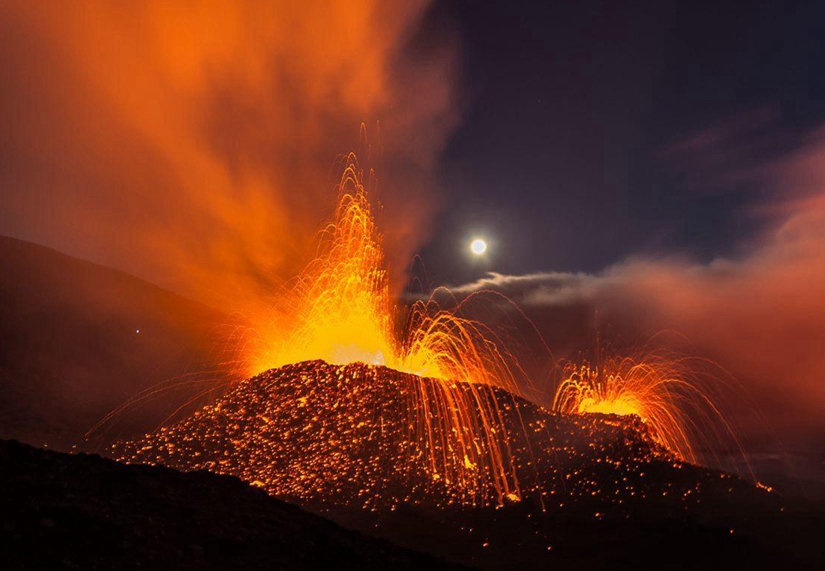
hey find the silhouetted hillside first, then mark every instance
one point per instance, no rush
(61, 511)
(70, 350)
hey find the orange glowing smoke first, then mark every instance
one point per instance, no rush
(340, 310)
(677, 398)
(189, 142)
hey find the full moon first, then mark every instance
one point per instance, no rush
(478, 246)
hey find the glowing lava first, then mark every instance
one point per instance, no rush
(340, 310)
(672, 396)
(348, 435)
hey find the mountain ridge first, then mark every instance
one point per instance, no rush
(81, 511)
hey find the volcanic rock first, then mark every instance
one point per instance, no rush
(352, 435)
(586, 491)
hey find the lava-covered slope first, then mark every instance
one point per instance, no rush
(352, 435)
(62, 511)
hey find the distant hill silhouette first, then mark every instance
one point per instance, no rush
(70, 351)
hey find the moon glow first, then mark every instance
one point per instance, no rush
(478, 246)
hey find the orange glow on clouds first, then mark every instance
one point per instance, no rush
(193, 143)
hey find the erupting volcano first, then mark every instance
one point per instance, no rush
(340, 310)
(576, 325)
(354, 401)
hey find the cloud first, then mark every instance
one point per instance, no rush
(546, 289)
(194, 143)
(727, 154)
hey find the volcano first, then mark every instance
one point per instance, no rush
(369, 436)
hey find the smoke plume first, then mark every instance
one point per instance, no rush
(194, 143)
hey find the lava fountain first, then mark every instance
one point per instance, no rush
(340, 310)
(676, 397)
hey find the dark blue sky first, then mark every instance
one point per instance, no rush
(592, 131)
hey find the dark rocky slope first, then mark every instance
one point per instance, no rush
(61, 511)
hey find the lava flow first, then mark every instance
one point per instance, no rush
(350, 435)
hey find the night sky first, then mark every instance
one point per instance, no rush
(574, 149)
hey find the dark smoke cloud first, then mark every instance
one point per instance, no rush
(194, 143)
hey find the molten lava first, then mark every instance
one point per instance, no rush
(340, 310)
(671, 395)
(351, 435)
